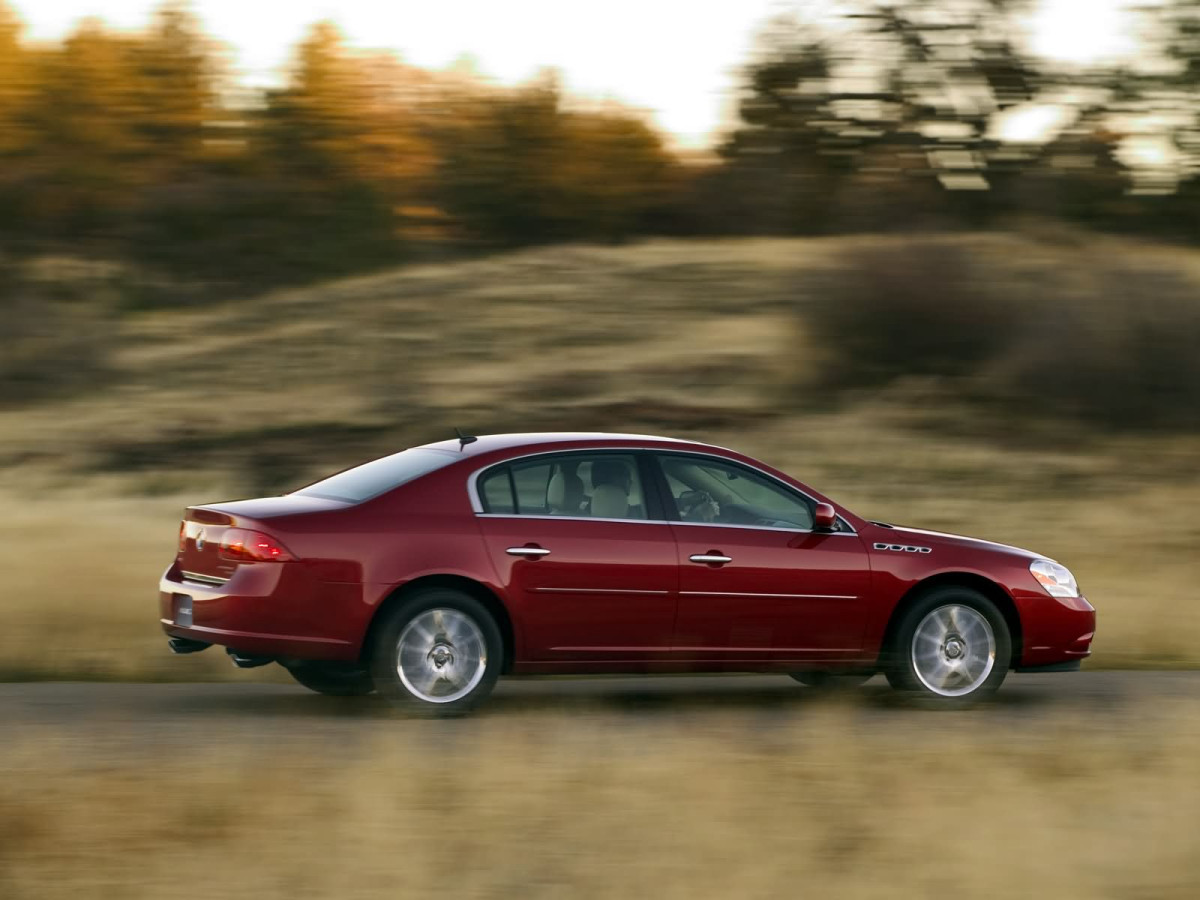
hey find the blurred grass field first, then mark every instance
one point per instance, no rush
(240, 396)
(723, 804)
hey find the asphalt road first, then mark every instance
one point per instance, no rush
(105, 719)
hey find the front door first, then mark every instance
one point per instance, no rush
(756, 583)
(575, 548)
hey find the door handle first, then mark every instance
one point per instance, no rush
(714, 557)
(531, 552)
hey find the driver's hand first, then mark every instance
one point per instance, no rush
(698, 506)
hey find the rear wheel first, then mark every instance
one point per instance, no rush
(830, 681)
(332, 678)
(951, 649)
(437, 654)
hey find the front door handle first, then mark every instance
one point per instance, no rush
(531, 552)
(713, 557)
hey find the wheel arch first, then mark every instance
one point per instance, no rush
(476, 589)
(984, 585)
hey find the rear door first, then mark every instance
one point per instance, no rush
(573, 539)
(756, 582)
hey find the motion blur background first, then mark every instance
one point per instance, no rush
(936, 258)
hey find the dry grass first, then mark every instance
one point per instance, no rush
(696, 339)
(819, 805)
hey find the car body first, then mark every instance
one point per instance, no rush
(602, 553)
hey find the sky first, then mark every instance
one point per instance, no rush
(678, 59)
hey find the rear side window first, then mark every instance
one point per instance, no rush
(380, 475)
(496, 491)
(575, 485)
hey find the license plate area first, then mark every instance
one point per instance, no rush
(183, 610)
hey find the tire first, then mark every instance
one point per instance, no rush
(831, 681)
(438, 653)
(333, 679)
(951, 649)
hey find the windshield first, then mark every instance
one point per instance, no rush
(380, 475)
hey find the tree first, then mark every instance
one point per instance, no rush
(878, 120)
(343, 151)
(518, 166)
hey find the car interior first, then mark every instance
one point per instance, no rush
(604, 487)
(609, 487)
(711, 492)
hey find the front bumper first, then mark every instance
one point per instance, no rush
(267, 609)
(1056, 630)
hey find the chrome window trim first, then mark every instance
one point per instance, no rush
(850, 533)
(572, 518)
(477, 504)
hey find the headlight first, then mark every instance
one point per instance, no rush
(1056, 580)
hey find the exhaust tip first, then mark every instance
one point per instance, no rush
(245, 661)
(186, 645)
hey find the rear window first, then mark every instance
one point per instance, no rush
(373, 478)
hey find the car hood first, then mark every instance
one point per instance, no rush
(902, 534)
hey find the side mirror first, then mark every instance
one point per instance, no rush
(824, 518)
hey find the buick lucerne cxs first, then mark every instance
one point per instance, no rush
(428, 574)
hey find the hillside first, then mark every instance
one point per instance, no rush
(247, 395)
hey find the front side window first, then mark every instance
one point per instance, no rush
(710, 491)
(575, 485)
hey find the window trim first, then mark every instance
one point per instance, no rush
(652, 492)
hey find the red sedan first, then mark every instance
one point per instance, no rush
(427, 574)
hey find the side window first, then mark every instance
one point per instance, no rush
(576, 485)
(495, 490)
(707, 490)
(532, 481)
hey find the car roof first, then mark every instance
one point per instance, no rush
(487, 443)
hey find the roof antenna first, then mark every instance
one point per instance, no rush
(464, 439)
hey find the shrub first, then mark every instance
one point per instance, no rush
(1126, 353)
(1096, 339)
(55, 334)
(914, 307)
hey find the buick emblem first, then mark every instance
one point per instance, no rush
(200, 539)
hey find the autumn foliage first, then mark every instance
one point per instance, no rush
(141, 146)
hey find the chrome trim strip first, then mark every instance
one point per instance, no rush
(730, 650)
(206, 580)
(667, 522)
(755, 594)
(573, 519)
(571, 590)
(769, 528)
(477, 504)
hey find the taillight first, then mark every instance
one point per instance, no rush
(252, 546)
(182, 535)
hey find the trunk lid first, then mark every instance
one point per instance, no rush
(203, 527)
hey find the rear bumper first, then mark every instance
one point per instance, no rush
(1057, 632)
(267, 609)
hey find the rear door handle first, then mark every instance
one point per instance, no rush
(713, 557)
(532, 552)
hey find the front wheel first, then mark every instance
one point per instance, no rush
(951, 649)
(438, 654)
